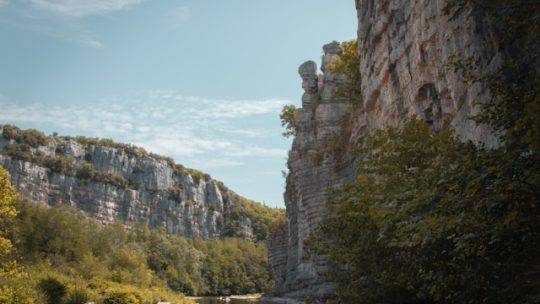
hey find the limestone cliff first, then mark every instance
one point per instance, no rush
(404, 47)
(115, 182)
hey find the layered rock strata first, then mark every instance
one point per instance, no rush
(119, 185)
(405, 48)
(313, 169)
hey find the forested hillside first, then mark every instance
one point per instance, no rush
(59, 248)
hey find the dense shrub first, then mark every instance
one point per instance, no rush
(260, 216)
(119, 297)
(428, 215)
(29, 137)
(77, 296)
(128, 265)
(19, 151)
(9, 132)
(60, 164)
(86, 171)
(53, 289)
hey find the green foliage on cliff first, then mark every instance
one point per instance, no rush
(261, 217)
(19, 152)
(87, 172)
(433, 219)
(129, 149)
(348, 64)
(29, 137)
(101, 259)
(288, 120)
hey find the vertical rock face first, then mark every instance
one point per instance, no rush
(277, 256)
(404, 47)
(313, 169)
(124, 186)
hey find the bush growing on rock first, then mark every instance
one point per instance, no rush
(53, 289)
(87, 172)
(20, 152)
(288, 120)
(31, 137)
(60, 164)
(347, 63)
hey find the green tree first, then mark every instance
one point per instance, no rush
(288, 120)
(429, 214)
(12, 288)
(8, 199)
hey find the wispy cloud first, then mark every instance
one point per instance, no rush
(71, 32)
(200, 130)
(82, 8)
(61, 19)
(178, 16)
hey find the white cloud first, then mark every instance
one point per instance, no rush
(178, 16)
(212, 133)
(58, 28)
(81, 8)
(3, 3)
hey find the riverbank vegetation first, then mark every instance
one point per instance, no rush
(431, 219)
(57, 252)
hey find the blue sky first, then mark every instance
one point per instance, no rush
(201, 81)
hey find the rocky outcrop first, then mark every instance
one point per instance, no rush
(122, 183)
(313, 168)
(404, 48)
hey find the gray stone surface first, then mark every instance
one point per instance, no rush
(201, 208)
(313, 169)
(404, 47)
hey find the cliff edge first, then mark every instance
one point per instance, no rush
(404, 49)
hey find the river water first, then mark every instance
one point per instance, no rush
(215, 300)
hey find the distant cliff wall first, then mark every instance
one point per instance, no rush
(404, 48)
(114, 182)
